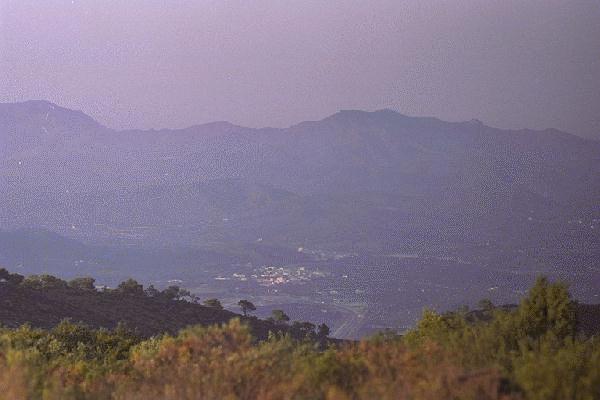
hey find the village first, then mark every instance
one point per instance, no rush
(269, 275)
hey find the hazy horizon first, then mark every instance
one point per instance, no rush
(382, 199)
(150, 66)
(292, 124)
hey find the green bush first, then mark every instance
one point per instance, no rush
(531, 352)
(43, 282)
(84, 283)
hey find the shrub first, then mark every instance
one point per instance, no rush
(130, 287)
(213, 303)
(43, 282)
(84, 283)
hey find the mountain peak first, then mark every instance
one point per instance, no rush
(354, 115)
(35, 105)
(46, 110)
(361, 113)
(219, 125)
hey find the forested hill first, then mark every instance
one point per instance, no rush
(44, 301)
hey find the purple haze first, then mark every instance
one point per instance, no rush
(140, 64)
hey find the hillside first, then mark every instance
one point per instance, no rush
(46, 302)
(331, 183)
(43, 301)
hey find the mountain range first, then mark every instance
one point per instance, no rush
(354, 181)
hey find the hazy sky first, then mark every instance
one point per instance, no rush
(174, 63)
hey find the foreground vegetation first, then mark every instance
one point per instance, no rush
(533, 351)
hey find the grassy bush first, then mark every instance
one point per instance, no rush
(532, 352)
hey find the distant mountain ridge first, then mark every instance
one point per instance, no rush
(335, 183)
